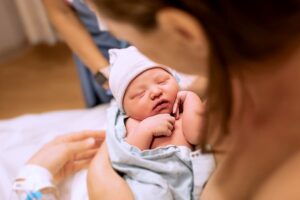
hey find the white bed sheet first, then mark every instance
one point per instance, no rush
(22, 136)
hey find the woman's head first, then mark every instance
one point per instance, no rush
(237, 30)
(190, 34)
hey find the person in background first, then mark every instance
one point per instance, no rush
(79, 25)
(78, 22)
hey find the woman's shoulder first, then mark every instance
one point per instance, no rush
(283, 183)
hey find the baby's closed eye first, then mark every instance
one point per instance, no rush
(162, 81)
(139, 94)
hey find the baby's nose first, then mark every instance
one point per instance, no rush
(155, 93)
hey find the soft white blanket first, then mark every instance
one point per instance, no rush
(22, 136)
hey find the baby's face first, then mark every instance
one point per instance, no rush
(150, 93)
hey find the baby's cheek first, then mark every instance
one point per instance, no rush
(142, 113)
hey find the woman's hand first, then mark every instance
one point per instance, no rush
(69, 153)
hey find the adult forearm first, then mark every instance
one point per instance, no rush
(67, 24)
(103, 182)
(107, 185)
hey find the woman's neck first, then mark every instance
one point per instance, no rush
(266, 92)
(264, 127)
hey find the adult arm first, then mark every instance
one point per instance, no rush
(103, 182)
(75, 34)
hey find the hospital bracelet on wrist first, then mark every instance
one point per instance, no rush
(34, 183)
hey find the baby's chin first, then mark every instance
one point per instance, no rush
(163, 111)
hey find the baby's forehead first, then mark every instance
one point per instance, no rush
(150, 74)
(154, 72)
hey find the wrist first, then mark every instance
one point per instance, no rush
(101, 77)
(145, 130)
(37, 176)
(104, 71)
(34, 180)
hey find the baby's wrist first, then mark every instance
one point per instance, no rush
(146, 130)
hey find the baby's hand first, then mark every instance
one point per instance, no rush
(178, 105)
(159, 125)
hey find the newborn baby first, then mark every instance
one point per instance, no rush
(158, 113)
(153, 128)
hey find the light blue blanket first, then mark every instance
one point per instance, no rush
(162, 173)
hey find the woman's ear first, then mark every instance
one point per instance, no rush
(182, 25)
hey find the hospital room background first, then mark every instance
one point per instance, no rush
(37, 73)
(41, 95)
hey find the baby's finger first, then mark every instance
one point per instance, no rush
(175, 106)
(171, 119)
(169, 132)
(159, 133)
(170, 126)
(177, 114)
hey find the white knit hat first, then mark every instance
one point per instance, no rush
(125, 65)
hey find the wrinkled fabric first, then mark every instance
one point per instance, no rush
(161, 173)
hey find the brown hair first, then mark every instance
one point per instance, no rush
(237, 30)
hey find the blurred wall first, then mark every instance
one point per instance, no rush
(12, 34)
(35, 22)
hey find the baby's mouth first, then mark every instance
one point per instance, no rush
(160, 105)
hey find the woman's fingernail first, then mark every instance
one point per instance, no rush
(91, 141)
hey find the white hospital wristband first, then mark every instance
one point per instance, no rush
(33, 178)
